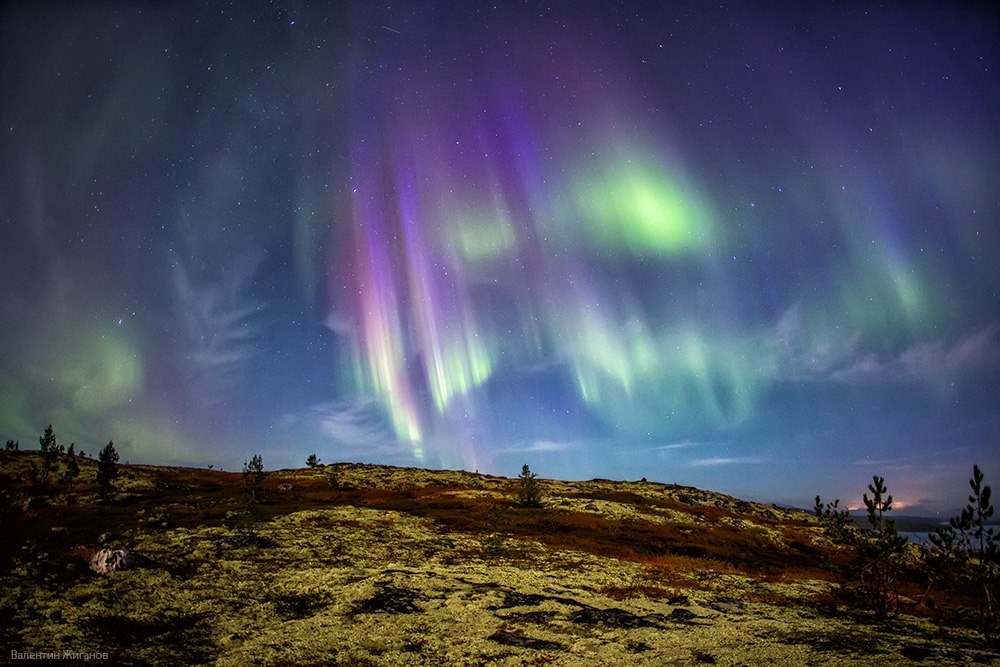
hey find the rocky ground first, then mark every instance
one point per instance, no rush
(370, 565)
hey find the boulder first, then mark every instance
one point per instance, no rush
(106, 561)
(34, 502)
(728, 606)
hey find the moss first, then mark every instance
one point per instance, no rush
(844, 641)
(388, 569)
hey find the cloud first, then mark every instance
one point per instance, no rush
(541, 446)
(927, 361)
(219, 326)
(688, 444)
(356, 430)
(790, 353)
(884, 464)
(339, 324)
(359, 423)
(725, 461)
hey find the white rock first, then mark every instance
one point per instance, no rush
(110, 560)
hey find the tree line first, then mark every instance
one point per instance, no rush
(965, 557)
(60, 466)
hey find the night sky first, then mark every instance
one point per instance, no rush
(751, 247)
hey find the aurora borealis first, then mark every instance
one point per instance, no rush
(748, 248)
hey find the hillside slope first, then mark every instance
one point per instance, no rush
(370, 565)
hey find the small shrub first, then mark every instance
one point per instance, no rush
(312, 461)
(495, 542)
(528, 492)
(834, 520)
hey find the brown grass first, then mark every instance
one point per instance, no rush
(686, 553)
(638, 591)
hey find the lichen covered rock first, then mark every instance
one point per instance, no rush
(106, 561)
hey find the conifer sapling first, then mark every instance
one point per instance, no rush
(107, 469)
(253, 478)
(528, 492)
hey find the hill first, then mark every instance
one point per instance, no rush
(356, 564)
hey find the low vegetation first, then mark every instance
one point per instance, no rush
(969, 553)
(360, 564)
(963, 565)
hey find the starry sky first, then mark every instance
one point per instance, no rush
(751, 247)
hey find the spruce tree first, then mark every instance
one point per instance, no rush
(970, 549)
(880, 552)
(528, 492)
(107, 469)
(50, 452)
(253, 479)
(72, 467)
